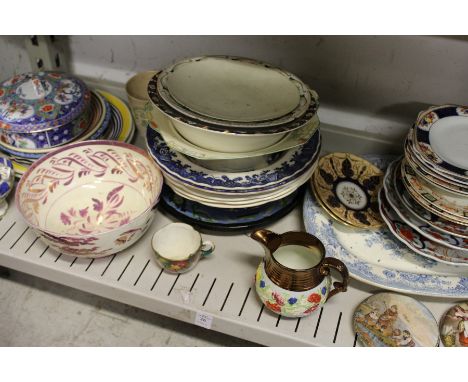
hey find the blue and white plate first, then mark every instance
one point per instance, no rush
(377, 258)
(294, 162)
(227, 219)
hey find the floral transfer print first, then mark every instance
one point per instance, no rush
(289, 303)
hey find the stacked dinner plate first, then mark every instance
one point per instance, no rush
(42, 111)
(424, 200)
(232, 135)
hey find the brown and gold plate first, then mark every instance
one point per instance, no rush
(348, 186)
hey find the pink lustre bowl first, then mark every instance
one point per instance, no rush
(90, 199)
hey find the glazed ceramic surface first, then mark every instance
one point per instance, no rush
(378, 258)
(178, 247)
(444, 201)
(412, 219)
(180, 119)
(137, 94)
(227, 219)
(100, 117)
(417, 242)
(454, 326)
(232, 91)
(128, 128)
(348, 186)
(427, 216)
(35, 102)
(390, 319)
(178, 143)
(292, 163)
(440, 137)
(289, 303)
(7, 177)
(90, 198)
(294, 277)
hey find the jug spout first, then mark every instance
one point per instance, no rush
(270, 240)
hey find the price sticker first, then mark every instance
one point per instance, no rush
(204, 320)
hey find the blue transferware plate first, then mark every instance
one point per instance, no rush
(293, 163)
(227, 219)
(378, 258)
(34, 102)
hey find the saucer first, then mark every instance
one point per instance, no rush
(454, 326)
(390, 319)
(348, 186)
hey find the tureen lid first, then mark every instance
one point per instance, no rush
(35, 102)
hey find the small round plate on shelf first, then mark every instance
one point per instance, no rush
(391, 319)
(454, 326)
(348, 186)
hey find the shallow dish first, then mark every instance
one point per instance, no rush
(375, 257)
(90, 199)
(233, 91)
(348, 186)
(432, 219)
(417, 242)
(441, 134)
(178, 143)
(412, 219)
(430, 200)
(219, 138)
(291, 164)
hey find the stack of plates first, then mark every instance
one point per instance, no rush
(424, 200)
(232, 135)
(42, 111)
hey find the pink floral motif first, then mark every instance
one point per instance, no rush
(279, 300)
(126, 236)
(312, 309)
(103, 215)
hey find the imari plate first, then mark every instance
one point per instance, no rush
(440, 137)
(417, 242)
(391, 319)
(348, 186)
(450, 208)
(430, 218)
(411, 218)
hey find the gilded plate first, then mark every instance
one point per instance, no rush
(348, 187)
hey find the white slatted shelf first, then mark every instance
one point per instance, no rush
(221, 285)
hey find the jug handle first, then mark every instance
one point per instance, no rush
(331, 262)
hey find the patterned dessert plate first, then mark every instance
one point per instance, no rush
(348, 186)
(417, 242)
(395, 320)
(410, 218)
(427, 216)
(441, 134)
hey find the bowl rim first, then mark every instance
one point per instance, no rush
(98, 142)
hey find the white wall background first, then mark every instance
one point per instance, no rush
(386, 80)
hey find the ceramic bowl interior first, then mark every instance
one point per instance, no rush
(88, 188)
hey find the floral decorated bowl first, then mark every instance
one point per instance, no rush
(90, 199)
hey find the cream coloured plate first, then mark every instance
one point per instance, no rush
(177, 142)
(233, 89)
